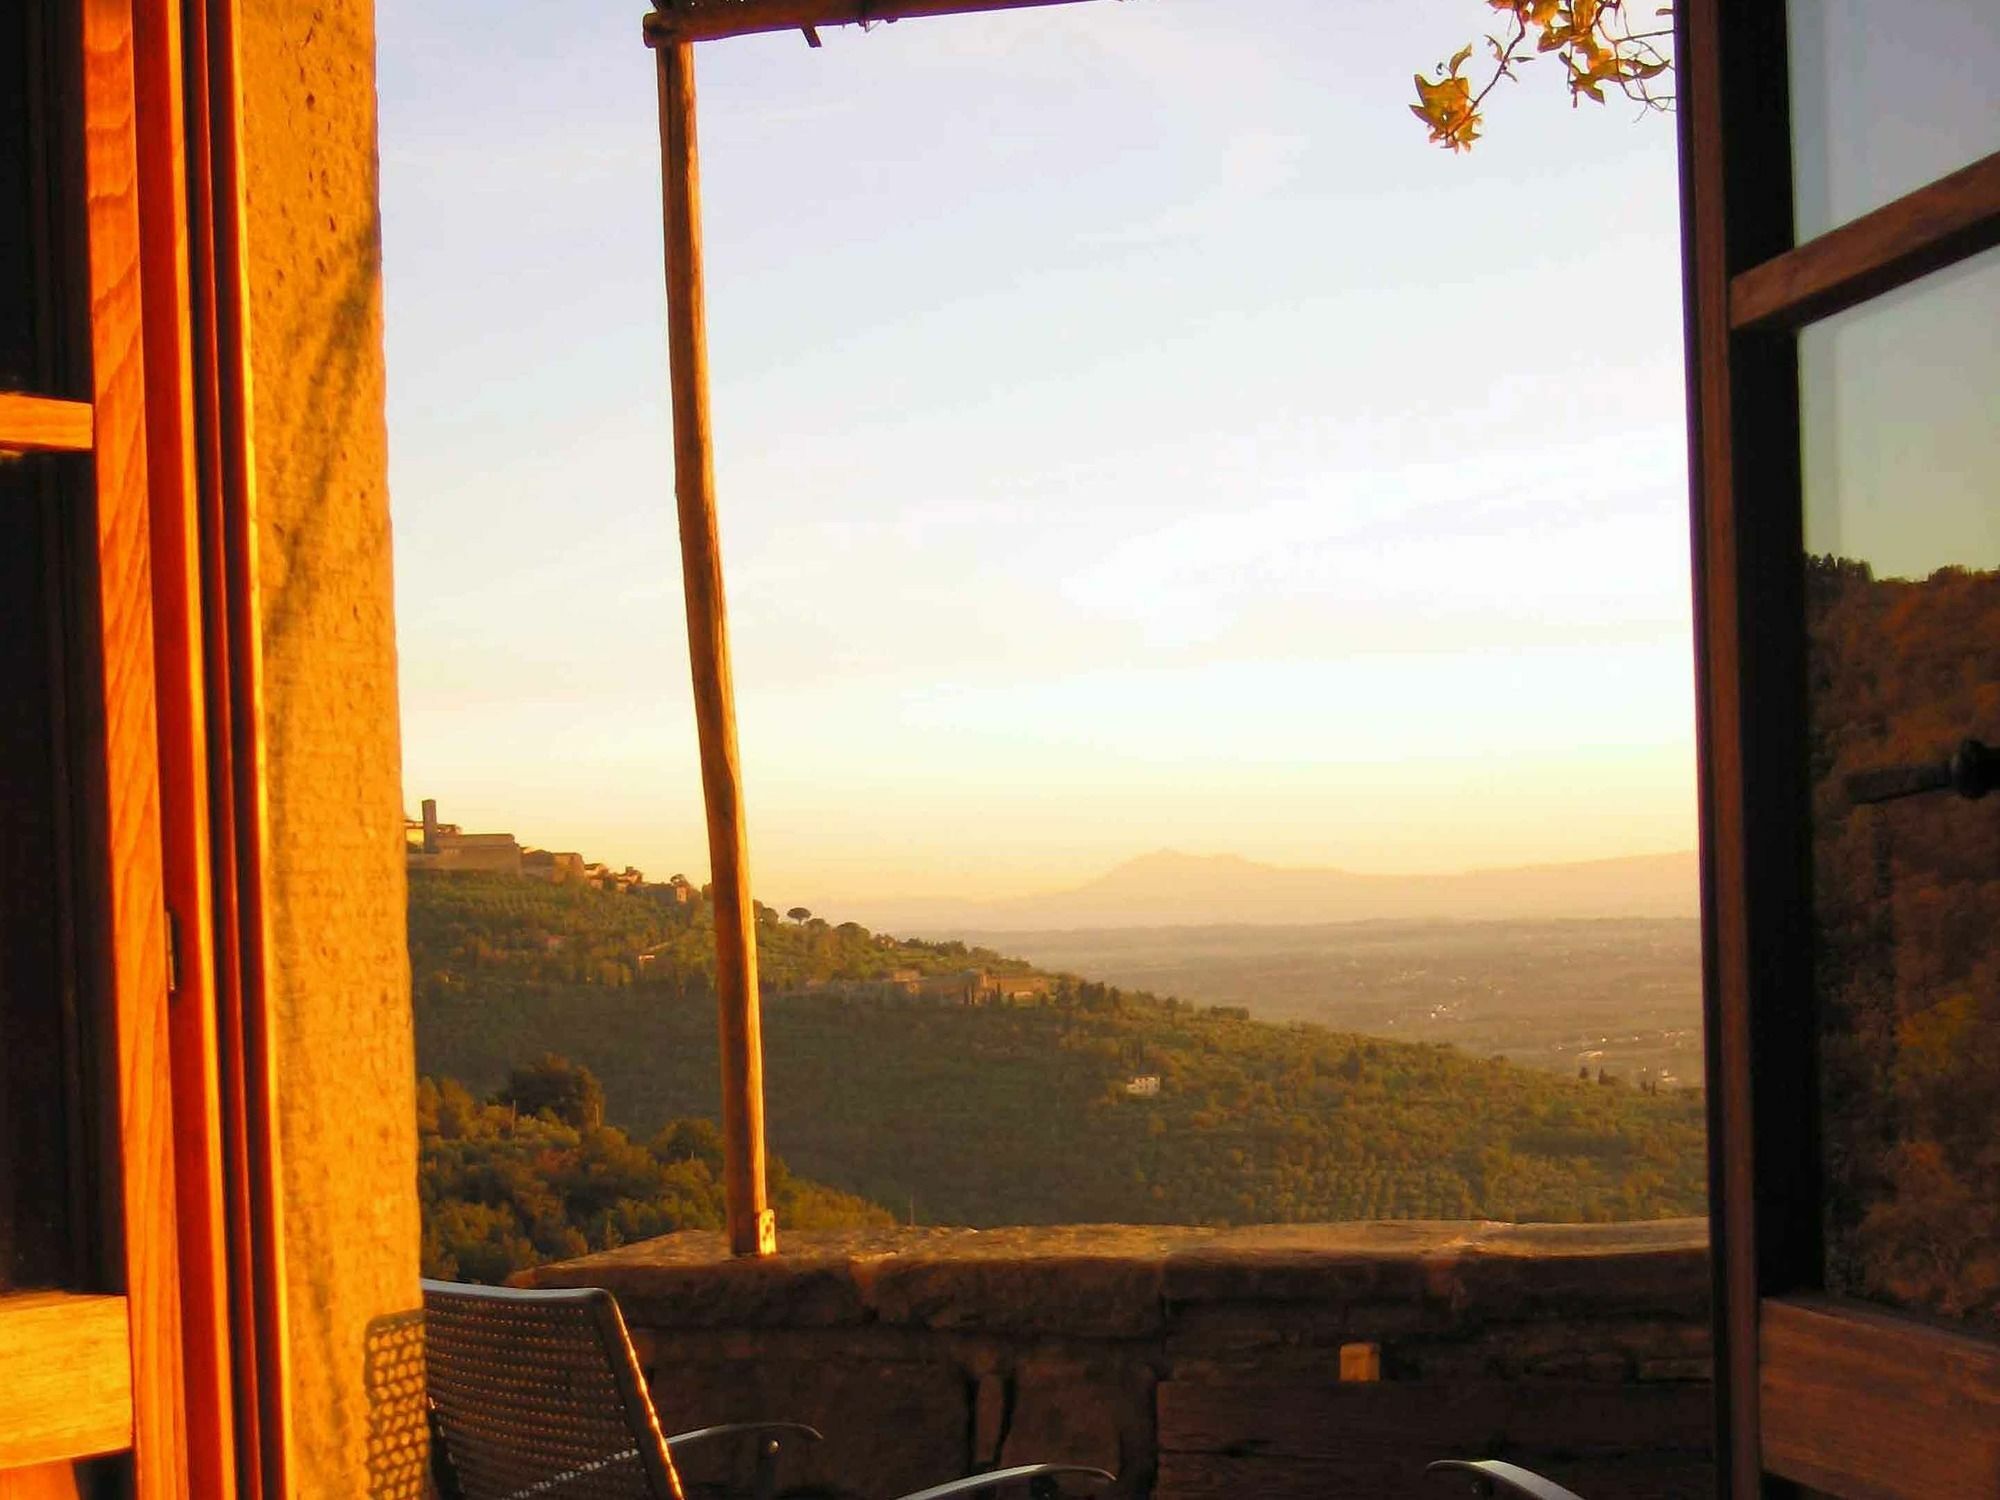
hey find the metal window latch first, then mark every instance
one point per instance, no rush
(173, 953)
(1972, 771)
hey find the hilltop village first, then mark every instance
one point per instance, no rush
(436, 848)
(431, 846)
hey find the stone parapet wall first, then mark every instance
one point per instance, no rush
(1308, 1360)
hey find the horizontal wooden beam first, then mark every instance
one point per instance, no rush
(56, 1481)
(1855, 1400)
(40, 424)
(65, 1377)
(709, 20)
(1952, 218)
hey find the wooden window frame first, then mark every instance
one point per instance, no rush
(235, 1348)
(69, 1397)
(1820, 1391)
(180, 1358)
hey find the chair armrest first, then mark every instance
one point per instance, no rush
(1029, 1474)
(1493, 1477)
(770, 1440)
(736, 1429)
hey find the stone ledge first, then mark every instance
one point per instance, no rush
(1121, 1281)
(1196, 1364)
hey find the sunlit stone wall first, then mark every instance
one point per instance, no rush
(340, 970)
(1311, 1361)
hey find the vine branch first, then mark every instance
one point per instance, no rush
(1593, 39)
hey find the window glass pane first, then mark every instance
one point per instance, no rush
(1886, 98)
(42, 264)
(17, 320)
(1902, 495)
(36, 1045)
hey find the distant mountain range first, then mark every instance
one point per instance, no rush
(1170, 889)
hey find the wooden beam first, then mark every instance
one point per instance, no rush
(65, 1377)
(751, 1230)
(56, 1481)
(1858, 1402)
(708, 20)
(39, 424)
(1947, 220)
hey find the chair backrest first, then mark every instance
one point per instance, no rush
(538, 1396)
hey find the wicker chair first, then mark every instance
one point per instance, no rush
(538, 1396)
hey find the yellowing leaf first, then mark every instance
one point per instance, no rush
(1446, 107)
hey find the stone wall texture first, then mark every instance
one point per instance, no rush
(340, 970)
(1315, 1361)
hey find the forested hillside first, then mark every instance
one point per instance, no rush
(536, 1175)
(1021, 1113)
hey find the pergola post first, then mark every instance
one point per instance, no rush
(752, 1230)
(671, 32)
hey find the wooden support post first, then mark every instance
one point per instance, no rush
(751, 1229)
(711, 20)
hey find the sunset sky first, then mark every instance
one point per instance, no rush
(1130, 434)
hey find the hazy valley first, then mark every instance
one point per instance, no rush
(1618, 993)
